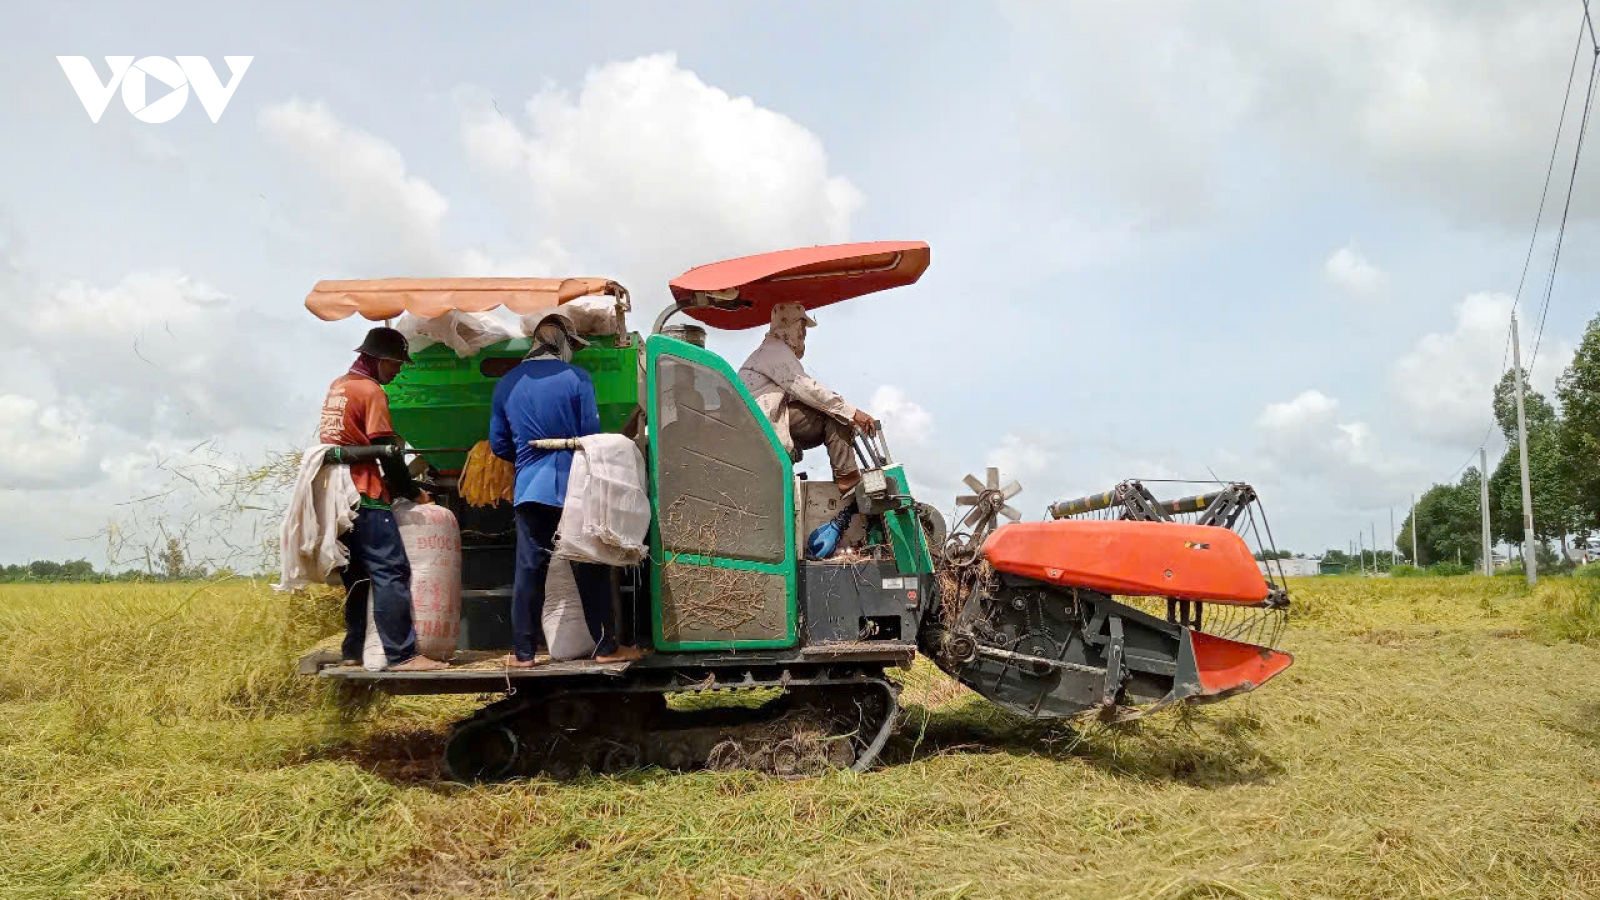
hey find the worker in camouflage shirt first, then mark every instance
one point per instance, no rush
(804, 413)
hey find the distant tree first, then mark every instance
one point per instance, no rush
(172, 560)
(1274, 554)
(1535, 406)
(1448, 523)
(1578, 389)
(1556, 512)
(50, 570)
(45, 570)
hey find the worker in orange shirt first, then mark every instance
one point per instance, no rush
(356, 414)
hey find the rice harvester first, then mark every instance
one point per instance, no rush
(1114, 607)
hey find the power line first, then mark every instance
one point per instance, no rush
(1481, 445)
(1572, 180)
(1566, 98)
(1544, 192)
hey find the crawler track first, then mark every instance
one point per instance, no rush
(799, 720)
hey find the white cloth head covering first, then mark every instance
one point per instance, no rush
(789, 324)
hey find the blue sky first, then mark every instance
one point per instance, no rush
(1262, 240)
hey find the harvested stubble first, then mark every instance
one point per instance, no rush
(1430, 741)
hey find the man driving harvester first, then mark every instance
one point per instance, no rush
(356, 414)
(803, 412)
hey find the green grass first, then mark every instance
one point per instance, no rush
(1435, 738)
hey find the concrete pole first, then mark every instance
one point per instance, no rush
(1361, 552)
(1530, 563)
(1483, 503)
(1374, 526)
(1416, 551)
(1392, 548)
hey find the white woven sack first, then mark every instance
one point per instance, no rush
(607, 512)
(372, 658)
(464, 332)
(566, 634)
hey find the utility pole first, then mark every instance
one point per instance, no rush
(1416, 551)
(1393, 549)
(1374, 526)
(1530, 563)
(1361, 552)
(1483, 502)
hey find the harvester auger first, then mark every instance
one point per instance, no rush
(727, 603)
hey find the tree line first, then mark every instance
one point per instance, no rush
(169, 565)
(1563, 474)
(81, 570)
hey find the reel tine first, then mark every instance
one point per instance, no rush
(974, 518)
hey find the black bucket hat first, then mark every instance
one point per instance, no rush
(560, 316)
(386, 343)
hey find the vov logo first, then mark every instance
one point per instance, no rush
(172, 78)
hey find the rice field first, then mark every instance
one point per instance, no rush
(1435, 738)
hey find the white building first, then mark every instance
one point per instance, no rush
(1291, 568)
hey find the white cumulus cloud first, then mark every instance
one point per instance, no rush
(1021, 458)
(1373, 87)
(905, 419)
(1305, 439)
(646, 170)
(1352, 273)
(1446, 380)
(156, 352)
(45, 445)
(388, 217)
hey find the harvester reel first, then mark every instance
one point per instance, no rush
(986, 505)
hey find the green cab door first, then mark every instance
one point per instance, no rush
(722, 486)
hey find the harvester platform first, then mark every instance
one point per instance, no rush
(469, 673)
(788, 712)
(484, 672)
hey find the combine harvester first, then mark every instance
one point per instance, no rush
(1024, 613)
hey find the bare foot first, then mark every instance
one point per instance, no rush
(624, 653)
(510, 659)
(419, 663)
(847, 483)
(350, 663)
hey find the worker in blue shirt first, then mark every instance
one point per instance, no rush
(546, 397)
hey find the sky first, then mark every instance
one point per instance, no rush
(1256, 241)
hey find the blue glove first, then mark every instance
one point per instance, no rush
(823, 541)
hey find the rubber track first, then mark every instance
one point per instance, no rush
(835, 677)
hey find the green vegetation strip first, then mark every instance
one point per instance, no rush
(1435, 738)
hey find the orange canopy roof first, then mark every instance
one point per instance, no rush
(814, 276)
(386, 298)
